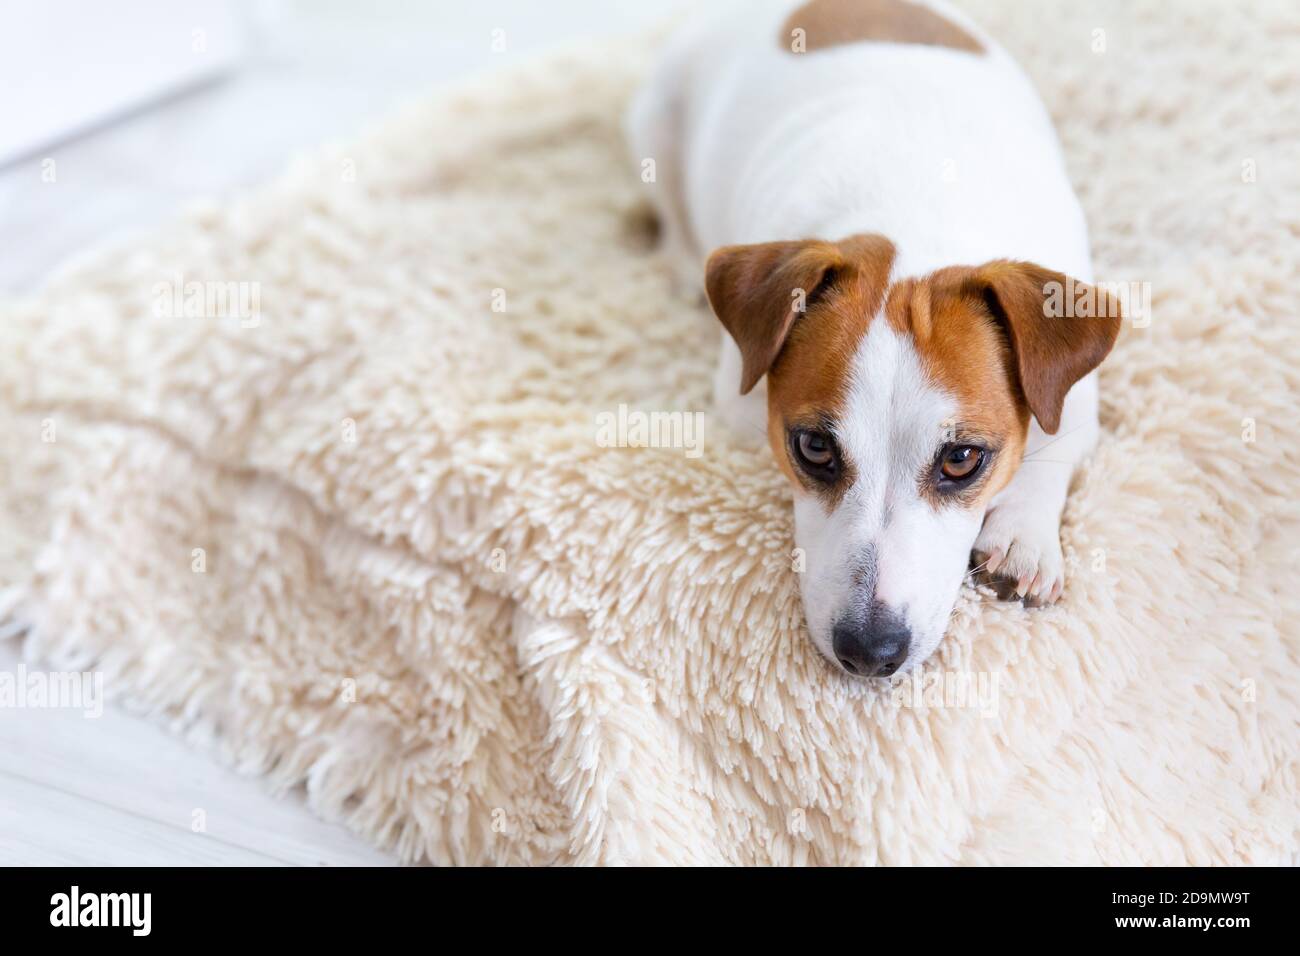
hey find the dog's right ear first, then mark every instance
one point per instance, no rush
(757, 292)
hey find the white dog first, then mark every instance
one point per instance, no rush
(900, 267)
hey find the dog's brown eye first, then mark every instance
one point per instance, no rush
(961, 462)
(815, 449)
(815, 452)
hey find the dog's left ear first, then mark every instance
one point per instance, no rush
(1060, 329)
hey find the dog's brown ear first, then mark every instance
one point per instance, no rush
(757, 292)
(1059, 329)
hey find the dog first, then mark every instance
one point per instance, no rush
(901, 271)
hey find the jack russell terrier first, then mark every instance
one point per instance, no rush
(896, 253)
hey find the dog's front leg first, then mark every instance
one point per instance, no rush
(1021, 537)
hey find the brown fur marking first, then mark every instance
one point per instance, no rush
(808, 383)
(1053, 346)
(830, 23)
(964, 352)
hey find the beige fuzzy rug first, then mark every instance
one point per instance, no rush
(360, 532)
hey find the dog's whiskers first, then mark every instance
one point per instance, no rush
(1043, 448)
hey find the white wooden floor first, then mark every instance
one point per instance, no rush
(118, 790)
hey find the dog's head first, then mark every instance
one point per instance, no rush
(897, 408)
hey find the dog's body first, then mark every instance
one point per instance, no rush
(889, 208)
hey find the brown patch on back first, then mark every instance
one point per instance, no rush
(830, 23)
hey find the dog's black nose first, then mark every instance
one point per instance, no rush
(874, 646)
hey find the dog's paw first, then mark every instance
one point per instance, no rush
(1020, 553)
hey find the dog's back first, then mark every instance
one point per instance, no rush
(828, 117)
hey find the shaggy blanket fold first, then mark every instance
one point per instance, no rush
(349, 518)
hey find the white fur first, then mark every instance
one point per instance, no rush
(950, 155)
(895, 420)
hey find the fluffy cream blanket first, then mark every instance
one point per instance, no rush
(353, 517)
